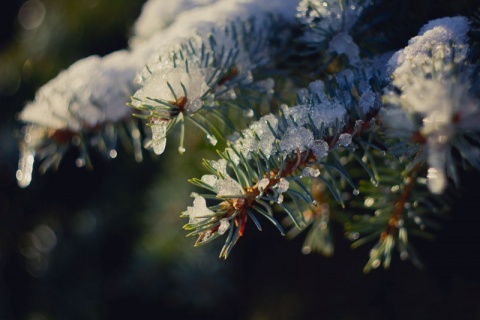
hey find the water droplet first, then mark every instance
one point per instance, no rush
(80, 162)
(353, 236)
(356, 192)
(25, 167)
(395, 188)
(113, 153)
(404, 255)
(376, 263)
(306, 250)
(369, 202)
(314, 202)
(76, 140)
(31, 14)
(181, 150)
(249, 113)
(417, 220)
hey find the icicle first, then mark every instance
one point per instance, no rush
(25, 166)
(159, 139)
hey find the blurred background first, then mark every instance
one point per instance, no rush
(109, 244)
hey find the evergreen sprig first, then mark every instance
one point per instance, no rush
(203, 78)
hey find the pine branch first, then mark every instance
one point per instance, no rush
(207, 74)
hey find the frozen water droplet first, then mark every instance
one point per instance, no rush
(159, 132)
(310, 172)
(320, 149)
(80, 162)
(280, 198)
(345, 139)
(369, 202)
(112, 153)
(224, 225)
(212, 139)
(376, 263)
(181, 150)
(314, 202)
(353, 236)
(283, 185)
(356, 192)
(249, 113)
(306, 250)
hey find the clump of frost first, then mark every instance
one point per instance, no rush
(199, 211)
(222, 183)
(258, 136)
(320, 149)
(171, 85)
(298, 139)
(91, 92)
(224, 225)
(345, 139)
(431, 50)
(434, 91)
(310, 172)
(281, 187)
(262, 184)
(157, 15)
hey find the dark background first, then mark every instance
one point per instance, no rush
(108, 243)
